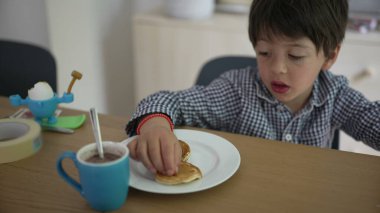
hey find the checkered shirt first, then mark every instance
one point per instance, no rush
(238, 102)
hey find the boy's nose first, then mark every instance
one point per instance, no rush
(278, 65)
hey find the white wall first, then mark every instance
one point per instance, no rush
(147, 5)
(24, 20)
(364, 5)
(93, 37)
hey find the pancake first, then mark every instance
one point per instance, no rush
(185, 150)
(187, 172)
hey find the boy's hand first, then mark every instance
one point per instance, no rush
(157, 147)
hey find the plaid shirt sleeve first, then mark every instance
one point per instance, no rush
(358, 117)
(214, 106)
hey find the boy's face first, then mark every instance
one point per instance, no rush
(288, 68)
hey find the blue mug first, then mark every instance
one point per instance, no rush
(103, 185)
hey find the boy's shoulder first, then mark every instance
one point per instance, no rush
(245, 81)
(329, 85)
(241, 75)
(330, 80)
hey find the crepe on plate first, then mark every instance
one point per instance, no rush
(187, 172)
(185, 150)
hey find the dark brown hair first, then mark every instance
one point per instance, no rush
(322, 21)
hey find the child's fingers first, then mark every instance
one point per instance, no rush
(142, 155)
(168, 153)
(132, 146)
(154, 153)
(177, 155)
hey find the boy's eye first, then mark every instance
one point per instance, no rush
(263, 53)
(296, 57)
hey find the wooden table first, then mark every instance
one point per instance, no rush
(273, 177)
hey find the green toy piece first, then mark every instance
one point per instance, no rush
(70, 122)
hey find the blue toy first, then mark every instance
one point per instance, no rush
(42, 109)
(45, 109)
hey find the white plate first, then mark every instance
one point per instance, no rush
(216, 157)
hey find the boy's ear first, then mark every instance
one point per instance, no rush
(330, 60)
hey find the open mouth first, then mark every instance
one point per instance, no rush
(279, 87)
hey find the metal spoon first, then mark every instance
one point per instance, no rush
(96, 131)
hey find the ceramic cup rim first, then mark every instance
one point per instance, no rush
(106, 144)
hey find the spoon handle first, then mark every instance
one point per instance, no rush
(96, 130)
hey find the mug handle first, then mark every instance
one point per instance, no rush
(62, 172)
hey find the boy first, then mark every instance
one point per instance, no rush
(291, 96)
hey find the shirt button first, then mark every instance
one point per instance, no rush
(288, 137)
(280, 108)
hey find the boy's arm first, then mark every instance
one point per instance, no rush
(215, 106)
(359, 117)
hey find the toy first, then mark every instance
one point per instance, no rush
(42, 102)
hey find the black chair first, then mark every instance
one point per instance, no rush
(335, 142)
(215, 67)
(22, 65)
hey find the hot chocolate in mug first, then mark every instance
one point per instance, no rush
(103, 183)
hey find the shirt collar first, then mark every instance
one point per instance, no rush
(262, 92)
(319, 95)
